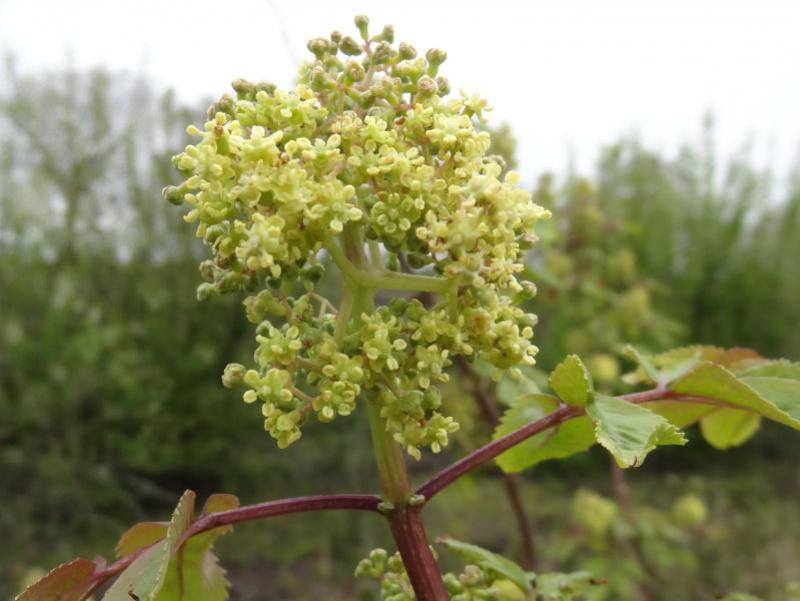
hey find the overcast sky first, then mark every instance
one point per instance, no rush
(568, 75)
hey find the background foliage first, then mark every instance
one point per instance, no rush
(109, 368)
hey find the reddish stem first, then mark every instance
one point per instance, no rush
(418, 560)
(491, 450)
(405, 521)
(245, 514)
(282, 507)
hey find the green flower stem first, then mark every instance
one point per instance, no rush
(345, 311)
(395, 483)
(405, 521)
(367, 276)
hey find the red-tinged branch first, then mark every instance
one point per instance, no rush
(565, 412)
(111, 570)
(491, 450)
(282, 507)
(405, 521)
(418, 559)
(246, 513)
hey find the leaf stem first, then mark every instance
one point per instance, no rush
(494, 448)
(245, 513)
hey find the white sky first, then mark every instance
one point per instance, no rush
(569, 75)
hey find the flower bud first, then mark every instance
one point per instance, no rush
(362, 23)
(435, 56)
(244, 89)
(265, 86)
(174, 194)
(444, 85)
(207, 270)
(387, 35)
(383, 52)
(426, 87)
(336, 37)
(407, 51)
(206, 291)
(349, 46)
(354, 71)
(233, 375)
(318, 47)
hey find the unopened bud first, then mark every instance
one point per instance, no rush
(407, 51)
(174, 194)
(233, 375)
(206, 291)
(426, 86)
(349, 46)
(383, 52)
(362, 23)
(435, 56)
(318, 47)
(387, 35)
(244, 89)
(265, 86)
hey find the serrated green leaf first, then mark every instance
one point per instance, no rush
(781, 392)
(220, 502)
(572, 382)
(728, 357)
(199, 576)
(629, 432)
(725, 428)
(557, 586)
(145, 577)
(194, 573)
(141, 535)
(716, 382)
(673, 364)
(489, 560)
(679, 413)
(774, 369)
(568, 438)
(643, 362)
(67, 582)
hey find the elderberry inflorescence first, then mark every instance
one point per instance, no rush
(369, 147)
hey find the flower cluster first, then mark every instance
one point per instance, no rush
(473, 584)
(368, 150)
